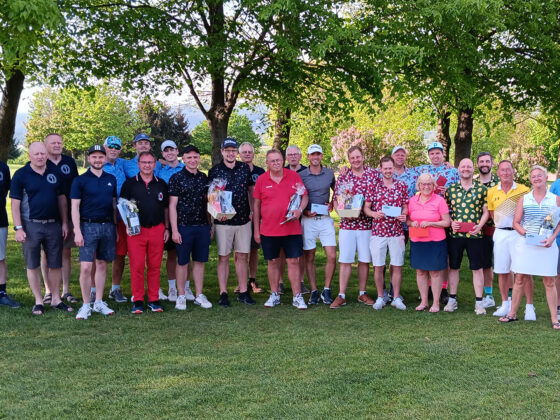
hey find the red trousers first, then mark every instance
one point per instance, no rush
(145, 249)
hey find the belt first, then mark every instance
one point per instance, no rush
(317, 217)
(42, 221)
(505, 228)
(83, 219)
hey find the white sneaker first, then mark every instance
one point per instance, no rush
(161, 295)
(272, 301)
(398, 303)
(189, 294)
(379, 303)
(488, 301)
(504, 309)
(202, 301)
(479, 308)
(451, 305)
(84, 312)
(181, 303)
(386, 297)
(102, 308)
(298, 302)
(530, 314)
(172, 294)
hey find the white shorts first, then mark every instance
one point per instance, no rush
(321, 228)
(378, 246)
(350, 241)
(503, 245)
(3, 242)
(236, 237)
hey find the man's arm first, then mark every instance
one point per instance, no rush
(16, 216)
(175, 235)
(257, 220)
(78, 238)
(63, 210)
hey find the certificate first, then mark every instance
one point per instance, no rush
(391, 211)
(465, 227)
(417, 232)
(320, 209)
(535, 240)
(441, 181)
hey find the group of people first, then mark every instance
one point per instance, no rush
(443, 212)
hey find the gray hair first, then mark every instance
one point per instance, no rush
(246, 143)
(293, 146)
(539, 167)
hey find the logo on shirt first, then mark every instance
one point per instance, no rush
(65, 169)
(51, 179)
(160, 196)
(109, 184)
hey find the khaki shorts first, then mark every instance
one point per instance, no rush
(237, 238)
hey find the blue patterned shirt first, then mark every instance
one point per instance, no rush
(117, 170)
(451, 174)
(167, 171)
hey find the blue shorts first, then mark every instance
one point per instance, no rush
(428, 256)
(100, 242)
(196, 241)
(291, 244)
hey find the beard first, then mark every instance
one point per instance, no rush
(484, 170)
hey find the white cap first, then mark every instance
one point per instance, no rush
(314, 148)
(397, 148)
(168, 143)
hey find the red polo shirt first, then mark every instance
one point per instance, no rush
(275, 198)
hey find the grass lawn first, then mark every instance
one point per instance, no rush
(275, 363)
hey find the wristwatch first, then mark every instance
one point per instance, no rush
(16, 228)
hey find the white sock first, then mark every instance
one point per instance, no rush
(343, 295)
(529, 305)
(172, 284)
(188, 283)
(362, 292)
(98, 300)
(327, 288)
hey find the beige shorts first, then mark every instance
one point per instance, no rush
(237, 238)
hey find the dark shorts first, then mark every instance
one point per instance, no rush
(100, 242)
(254, 245)
(428, 256)
(457, 246)
(195, 242)
(45, 235)
(291, 244)
(69, 241)
(487, 251)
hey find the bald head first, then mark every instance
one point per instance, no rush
(466, 169)
(37, 153)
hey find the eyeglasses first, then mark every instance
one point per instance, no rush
(146, 162)
(114, 146)
(293, 154)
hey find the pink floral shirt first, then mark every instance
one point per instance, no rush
(380, 195)
(361, 186)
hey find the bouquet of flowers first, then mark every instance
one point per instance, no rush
(129, 213)
(348, 203)
(220, 200)
(295, 201)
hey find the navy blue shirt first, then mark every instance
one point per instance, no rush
(38, 193)
(152, 199)
(4, 188)
(191, 191)
(256, 172)
(96, 195)
(68, 171)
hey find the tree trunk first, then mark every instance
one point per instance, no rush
(282, 129)
(443, 136)
(463, 136)
(218, 122)
(8, 112)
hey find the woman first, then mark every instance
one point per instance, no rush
(428, 248)
(537, 260)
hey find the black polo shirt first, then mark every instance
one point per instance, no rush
(191, 191)
(96, 195)
(68, 171)
(152, 199)
(238, 180)
(256, 172)
(38, 193)
(4, 188)
(302, 167)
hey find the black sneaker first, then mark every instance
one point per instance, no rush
(6, 300)
(326, 296)
(224, 300)
(314, 298)
(246, 298)
(444, 298)
(304, 290)
(117, 296)
(281, 289)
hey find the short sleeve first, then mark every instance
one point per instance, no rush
(76, 190)
(125, 190)
(16, 189)
(257, 192)
(442, 207)
(173, 188)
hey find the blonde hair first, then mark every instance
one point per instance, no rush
(425, 178)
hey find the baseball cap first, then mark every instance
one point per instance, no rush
(168, 143)
(435, 145)
(96, 148)
(141, 136)
(112, 141)
(397, 148)
(314, 148)
(229, 142)
(191, 148)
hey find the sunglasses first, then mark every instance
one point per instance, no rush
(114, 146)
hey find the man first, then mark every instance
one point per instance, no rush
(235, 233)
(440, 170)
(40, 219)
(502, 200)
(388, 196)
(145, 250)
(247, 154)
(171, 167)
(401, 173)
(469, 213)
(68, 171)
(190, 225)
(486, 177)
(93, 196)
(141, 143)
(355, 232)
(293, 156)
(273, 192)
(115, 166)
(317, 223)
(5, 299)
(555, 189)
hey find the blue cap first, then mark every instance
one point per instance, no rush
(141, 136)
(229, 142)
(435, 145)
(112, 141)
